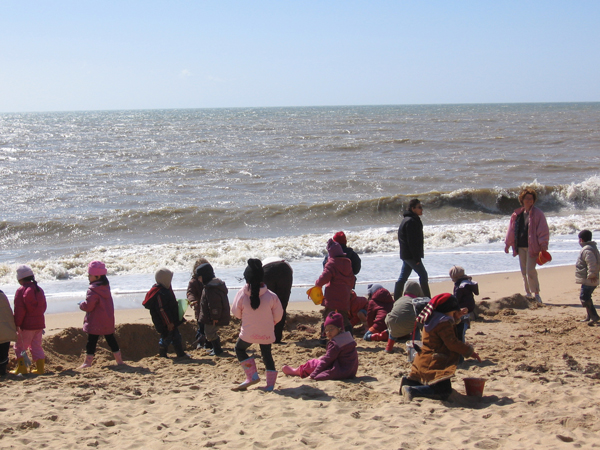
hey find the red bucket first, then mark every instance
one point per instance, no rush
(474, 386)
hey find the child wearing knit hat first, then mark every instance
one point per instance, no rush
(465, 290)
(339, 362)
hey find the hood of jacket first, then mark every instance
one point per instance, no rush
(218, 284)
(382, 296)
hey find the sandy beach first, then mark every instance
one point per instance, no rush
(540, 363)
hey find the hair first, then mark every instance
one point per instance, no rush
(102, 280)
(254, 275)
(413, 203)
(585, 235)
(526, 191)
(31, 278)
(198, 262)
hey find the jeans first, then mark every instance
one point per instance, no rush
(408, 265)
(585, 296)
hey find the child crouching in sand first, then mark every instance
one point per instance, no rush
(341, 360)
(99, 314)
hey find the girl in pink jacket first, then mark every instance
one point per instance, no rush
(30, 306)
(100, 314)
(259, 310)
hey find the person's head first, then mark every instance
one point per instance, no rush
(527, 198)
(415, 206)
(413, 289)
(334, 324)
(340, 238)
(196, 264)
(585, 236)
(204, 273)
(448, 304)
(334, 249)
(164, 277)
(97, 272)
(254, 275)
(23, 273)
(372, 288)
(457, 273)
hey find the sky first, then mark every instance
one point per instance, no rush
(129, 54)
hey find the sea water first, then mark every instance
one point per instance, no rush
(144, 189)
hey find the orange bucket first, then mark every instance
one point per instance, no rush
(474, 386)
(544, 257)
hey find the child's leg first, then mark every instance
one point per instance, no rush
(265, 351)
(240, 350)
(24, 339)
(586, 300)
(90, 347)
(307, 368)
(4, 347)
(37, 352)
(112, 342)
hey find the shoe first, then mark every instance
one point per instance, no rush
(249, 366)
(163, 352)
(179, 350)
(216, 350)
(39, 367)
(389, 348)
(89, 359)
(538, 298)
(21, 367)
(593, 322)
(380, 337)
(271, 379)
(407, 393)
(290, 371)
(118, 358)
(587, 319)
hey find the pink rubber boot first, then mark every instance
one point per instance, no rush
(249, 366)
(118, 358)
(89, 359)
(271, 379)
(291, 371)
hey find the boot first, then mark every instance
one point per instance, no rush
(118, 358)
(179, 350)
(217, 350)
(21, 367)
(291, 371)
(163, 351)
(249, 366)
(378, 337)
(39, 367)
(89, 359)
(389, 348)
(271, 379)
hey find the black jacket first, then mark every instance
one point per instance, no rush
(410, 237)
(163, 307)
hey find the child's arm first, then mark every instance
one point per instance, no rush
(236, 307)
(448, 336)
(592, 265)
(324, 278)
(90, 302)
(163, 314)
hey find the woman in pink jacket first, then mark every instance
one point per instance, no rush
(528, 235)
(30, 306)
(259, 310)
(100, 314)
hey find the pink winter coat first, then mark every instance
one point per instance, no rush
(100, 311)
(380, 305)
(338, 279)
(538, 233)
(30, 306)
(258, 325)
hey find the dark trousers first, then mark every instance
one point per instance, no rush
(90, 347)
(439, 390)
(4, 347)
(585, 296)
(408, 265)
(279, 278)
(265, 351)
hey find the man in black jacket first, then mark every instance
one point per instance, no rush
(410, 237)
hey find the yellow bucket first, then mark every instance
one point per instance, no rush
(315, 293)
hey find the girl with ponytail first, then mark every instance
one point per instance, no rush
(259, 310)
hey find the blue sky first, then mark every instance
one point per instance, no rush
(106, 55)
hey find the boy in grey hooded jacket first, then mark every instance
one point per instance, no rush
(587, 269)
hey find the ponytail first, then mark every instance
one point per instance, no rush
(254, 275)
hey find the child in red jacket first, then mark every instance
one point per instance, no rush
(380, 304)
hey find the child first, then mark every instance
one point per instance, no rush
(341, 360)
(8, 331)
(99, 314)
(338, 279)
(194, 294)
(259, 310)
(214, 306)
(587, 271)
(400, 320)
(465, 290)
(161, 302)
(436, 361)
(357, 315)
(30, 306)
(380, 304)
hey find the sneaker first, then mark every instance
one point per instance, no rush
(538, 298)
(587, 319)
(407, 393)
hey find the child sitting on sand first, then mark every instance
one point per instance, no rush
(587, 270)
(436, 361)
(400, 321)
(341, 360)
(30, 306)
(214, 306)
(8, 331)
(161, 302)
(357, 315)
(465, 290)
(259, 310)
(380, 304)
(99, 314)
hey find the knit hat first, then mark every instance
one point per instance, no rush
(412, 288)
(442, 303)
(254, 273)
(206, 272)
(97, 268)
(372, 288)
(456, 273)
(164, 277)
(334, 249)
(24, 272)
(340, 238)
(335, 319)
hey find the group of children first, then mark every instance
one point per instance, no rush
(441, 322)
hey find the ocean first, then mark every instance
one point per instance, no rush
(144, 189)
